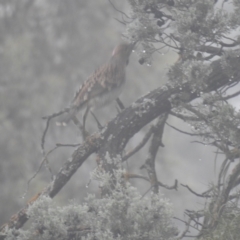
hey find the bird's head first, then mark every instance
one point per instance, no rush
(123, 51)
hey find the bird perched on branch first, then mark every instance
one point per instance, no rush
(103, 86)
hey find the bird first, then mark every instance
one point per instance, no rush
(103, 86)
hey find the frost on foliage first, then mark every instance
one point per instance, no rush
(198, 21)
(230, 63)
(228, 225)
(197, 73)
(46, 219)
(235, 20)
(194, 23)
(144, 26)
(123, 214)
(105, 179)
(126, 215)
(221, 121)
(144, 32)
(190, 71)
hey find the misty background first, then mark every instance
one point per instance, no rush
(47, 49)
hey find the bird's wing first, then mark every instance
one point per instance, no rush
(101, 82)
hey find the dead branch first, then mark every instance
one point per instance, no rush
(183, 234)
(219, 202)
(195, 193)
(188, 133)
(140, 145)
(174, 186)
(153, 149)
(132, 175)
(48, 118)
(122, 128)
(184, 117)
(129, 118)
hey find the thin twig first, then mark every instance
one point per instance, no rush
(188, 224)
(140, 145)
(67, 145)
(184, 222)
(120, 104)
(44, 135)
(146, 193)
(132, 175)
(39, 168)
(231, 96)
(187, 133)
(97, 121)
(221, 172)
(48, 118)
(184, 117)
(197, 113)
(195, 193)
(123, 13)
(175, 186)
(156, 142)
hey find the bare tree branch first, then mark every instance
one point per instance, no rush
(114, 137)
(197, 194)
(140, 145)
(132, 118)
(153, 149)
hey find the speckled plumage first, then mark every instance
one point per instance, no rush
(104, 85)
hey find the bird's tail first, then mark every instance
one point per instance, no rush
(65, 118)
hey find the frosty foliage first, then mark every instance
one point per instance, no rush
(185, 26)
(229, 64)
(160, 25)
(219, 121)
(198, 23)
(190, 71)
(143, 27)
(235, 20)
(123, 214)
(216, 119)
(228, 227)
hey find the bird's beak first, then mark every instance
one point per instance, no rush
(133, 45)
